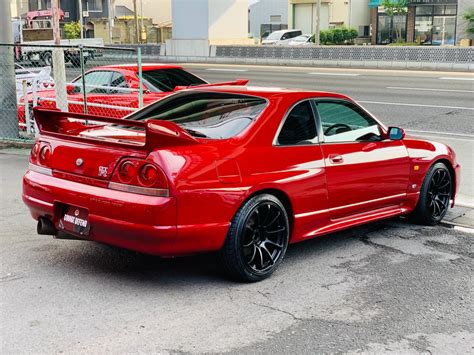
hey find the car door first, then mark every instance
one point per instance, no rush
(97, 83)
(118, 100)
(298, 157)
(364, 171)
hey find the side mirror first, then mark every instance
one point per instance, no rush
(396, 133)
(70, 89)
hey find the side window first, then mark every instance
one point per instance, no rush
(299, 126)
(94, 82)
(118, 81)
(345, 122)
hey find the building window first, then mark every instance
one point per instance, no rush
(93, 5)
(391, 28)
(275, 18)
(435, 24)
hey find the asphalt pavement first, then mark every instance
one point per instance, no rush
(387, 287)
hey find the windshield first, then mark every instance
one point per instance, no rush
(207, 114)
(165, 80)
(275, 35)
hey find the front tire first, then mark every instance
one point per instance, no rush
(257, 239)
(435, 195)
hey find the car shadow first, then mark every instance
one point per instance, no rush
(99, 259)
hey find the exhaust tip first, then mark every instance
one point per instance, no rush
(45, 227)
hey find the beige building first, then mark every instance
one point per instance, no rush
(302, 14)
(18, 7)
(158, 10)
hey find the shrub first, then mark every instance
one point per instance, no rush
(72, 30)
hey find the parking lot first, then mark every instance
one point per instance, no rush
(389, 286)
(386, 287)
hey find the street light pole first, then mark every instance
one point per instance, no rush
(8, 108)
(136, 20)
(110, 16)
(80, 19)
(59, 67)
(318, 23)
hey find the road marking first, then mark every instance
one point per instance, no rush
(426, 89)
(464, 229)
(222, 69)
(337, 74)
(454, 78)
(442, 133)
(439, 137)
(415, 105)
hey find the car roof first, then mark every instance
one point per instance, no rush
(267, 92)
(284, 31)
(145, 66)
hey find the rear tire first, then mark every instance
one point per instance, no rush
(435, 195)
(257, 239)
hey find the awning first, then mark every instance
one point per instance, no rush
(375, 3)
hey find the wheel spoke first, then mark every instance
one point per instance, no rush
(261, 257)
(273, 220)
(253, 255)
(268, 253)
(276, 245)
(281, 229)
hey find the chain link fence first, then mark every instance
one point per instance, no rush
(102, 81)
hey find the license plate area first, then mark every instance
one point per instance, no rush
(73, 219)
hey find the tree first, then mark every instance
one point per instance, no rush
(72, 30)
(469, 16)
(394, 9)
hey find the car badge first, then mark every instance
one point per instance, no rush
(76, 213)
(79, 162)
(103, 171)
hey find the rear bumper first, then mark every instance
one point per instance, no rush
(142, 223)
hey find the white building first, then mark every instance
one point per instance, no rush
(302, 14)
(267, 16)
(200, 23)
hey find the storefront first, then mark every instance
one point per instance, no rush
(427, 22)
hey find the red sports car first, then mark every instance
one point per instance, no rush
(112, 90)
(240, 170)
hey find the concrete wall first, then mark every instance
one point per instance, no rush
(158, 10)
(190, 19)
(228, 21)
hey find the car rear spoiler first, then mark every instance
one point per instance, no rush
(238, 82)
(68, 125)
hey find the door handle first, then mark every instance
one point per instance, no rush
(336, 158)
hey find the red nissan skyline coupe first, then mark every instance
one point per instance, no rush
(240, 170)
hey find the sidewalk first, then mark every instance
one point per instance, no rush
(460, 216)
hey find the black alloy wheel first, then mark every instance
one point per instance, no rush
(257, 239)
(435, 195)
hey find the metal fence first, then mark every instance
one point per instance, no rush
(86, 80)
(352, 53)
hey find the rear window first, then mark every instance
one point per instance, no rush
(206, 114)
(164, 80)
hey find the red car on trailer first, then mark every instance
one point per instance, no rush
(240, 170)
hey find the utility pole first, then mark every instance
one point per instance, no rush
(111, 21)
(8, 108)
(318, 23)
(136, 21)
(81, 19)
(59, 67)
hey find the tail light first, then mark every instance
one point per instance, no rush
(141, 177)
(40, 156)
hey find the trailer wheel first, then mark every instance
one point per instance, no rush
(47, 59)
